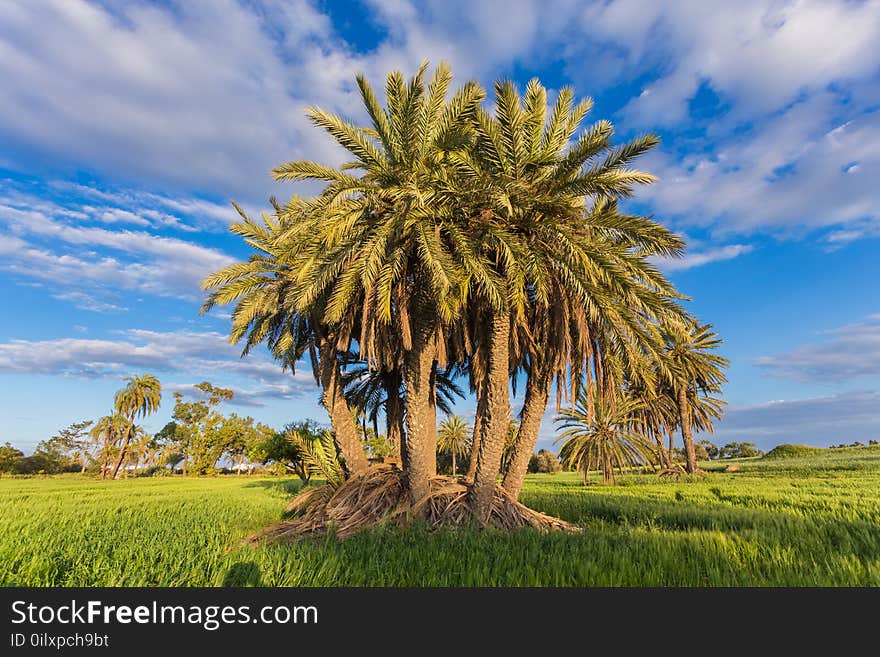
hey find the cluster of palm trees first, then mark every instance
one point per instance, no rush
(463, 244)
(117, 435)
(627, 426)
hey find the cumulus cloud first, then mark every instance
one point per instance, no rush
(703, 257)
(792, 171)
(193, 94)
(209, 97)
(85, 301)
(757, 55)
(845, 353)
(56, 248)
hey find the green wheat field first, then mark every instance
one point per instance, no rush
(810, 518)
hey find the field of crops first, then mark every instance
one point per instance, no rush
(811, 520)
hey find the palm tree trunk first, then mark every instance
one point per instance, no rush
(105, 456)
(661, 450)
(420, 440)
(608, 470)
(686, 435)
(477, 439)
(350, 448)
(534, 405)
(454, 469)
(123, 449)
(497, 411)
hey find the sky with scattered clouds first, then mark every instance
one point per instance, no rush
(127, 127)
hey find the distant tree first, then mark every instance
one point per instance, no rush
(600, 434)
(711, 449)
(239, 437)
(10, 458)
(696, 371)
(140, 397)
(285, 447)
(544, 461)
(454, 438)
(105, 435)
(197, 428)
(49, 457)
(739, 451)
(509, 445)
(73, 441)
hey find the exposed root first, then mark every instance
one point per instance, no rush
(676, 471)
(378, 497)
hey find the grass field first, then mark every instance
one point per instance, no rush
(811, 520)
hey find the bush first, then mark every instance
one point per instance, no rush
(10, 457)
(544, 461)
(793, 451)
(740, 451)
(711, 450)
(700, 451)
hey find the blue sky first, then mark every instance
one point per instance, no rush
(126, 128)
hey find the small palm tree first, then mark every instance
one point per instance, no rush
(609, 437)
(454, 437)
(696, 371)
(141, 397)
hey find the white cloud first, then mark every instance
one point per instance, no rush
(757, 55)
(848, 352)
(207, 355)
(786, 174)
(57, 248)
(703, 257)
(87, 302)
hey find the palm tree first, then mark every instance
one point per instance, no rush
(604, 436)
(376, 246)
(544, 218)
(140, 397)
(262, 288)
(696, 371)
(453, 437)
(105, 434)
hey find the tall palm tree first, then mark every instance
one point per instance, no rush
(453, 437)
(263, 290)
(604, 436)
(544, 217)
(140, 397)
(376, 239)
(696, 371)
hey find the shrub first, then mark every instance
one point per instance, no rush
(544, 461)
(793, 451)
(740, 451)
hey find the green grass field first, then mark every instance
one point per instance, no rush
(811, 520)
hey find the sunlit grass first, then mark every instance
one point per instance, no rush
(792, 521)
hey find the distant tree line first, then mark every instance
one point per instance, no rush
(707, 450)
(200, 440)
(857, 443)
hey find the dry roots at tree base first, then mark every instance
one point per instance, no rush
(378, 496)
(677, 471)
